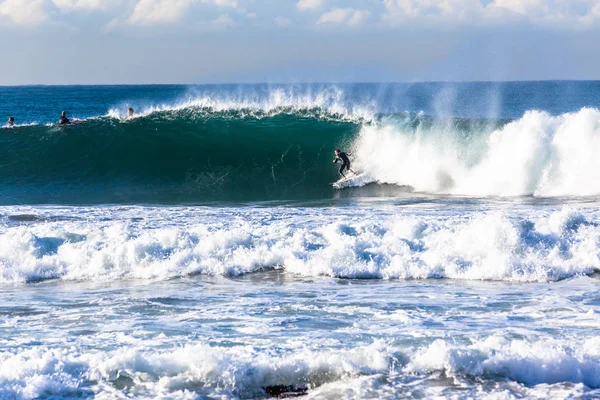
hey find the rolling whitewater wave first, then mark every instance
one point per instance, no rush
(244, 371)
(121, 243)
(281, 149)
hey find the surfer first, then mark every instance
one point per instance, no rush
(63, 120)
(11, 121)
(343, 157)
(130, 112)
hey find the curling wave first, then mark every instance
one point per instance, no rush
(207, 151)
(191, 154)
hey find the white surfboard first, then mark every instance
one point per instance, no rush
(353, 180)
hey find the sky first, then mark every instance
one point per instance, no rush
(239, 41)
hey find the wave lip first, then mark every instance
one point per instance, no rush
(479, 246)
(327, 102)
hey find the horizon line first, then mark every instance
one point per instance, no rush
(304, 83)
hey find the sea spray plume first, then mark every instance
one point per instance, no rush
(538, 154)
(324, 101)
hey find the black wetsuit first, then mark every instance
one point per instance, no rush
(343, 157)
(63, 121)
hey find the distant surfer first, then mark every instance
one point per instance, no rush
(343, 157)
(130, 112)
(63, 120)
(11, 121)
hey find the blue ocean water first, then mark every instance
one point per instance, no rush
(198, 250)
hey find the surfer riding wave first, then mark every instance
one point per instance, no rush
(343, 157)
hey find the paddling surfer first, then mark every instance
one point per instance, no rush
(63, 120)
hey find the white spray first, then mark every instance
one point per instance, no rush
(538, 154)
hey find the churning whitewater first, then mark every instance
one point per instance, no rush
(197, 249)
(106, 244)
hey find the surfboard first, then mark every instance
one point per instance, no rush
(347, 182)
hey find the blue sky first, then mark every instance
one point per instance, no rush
(214, 41)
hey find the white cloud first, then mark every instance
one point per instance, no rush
(222, 3)
(282, 21)
(358, 17)
(567, 14)
(348, 16)
(337, 16)
(29, 13)
(554, 12)
(401, 10)
(84, 5)
(518, 6)
(150, 12)
(474, 12)
(309, 4)
(592, 17)
(221, 23)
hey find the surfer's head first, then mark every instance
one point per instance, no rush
(337, 151)
(64, 114)
(130, 111)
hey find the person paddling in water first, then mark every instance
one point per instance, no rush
(343, 157)
(63, 120)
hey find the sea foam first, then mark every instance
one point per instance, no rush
(494, 245)
(245, 372)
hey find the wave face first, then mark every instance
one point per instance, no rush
(277, 144)
(171, 156)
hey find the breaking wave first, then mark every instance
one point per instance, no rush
(210, 149)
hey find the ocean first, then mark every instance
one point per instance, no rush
(198, 250)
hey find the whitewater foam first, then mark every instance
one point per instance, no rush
(527, 362)
(538, 154)
(245, 371)
(375, 244)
